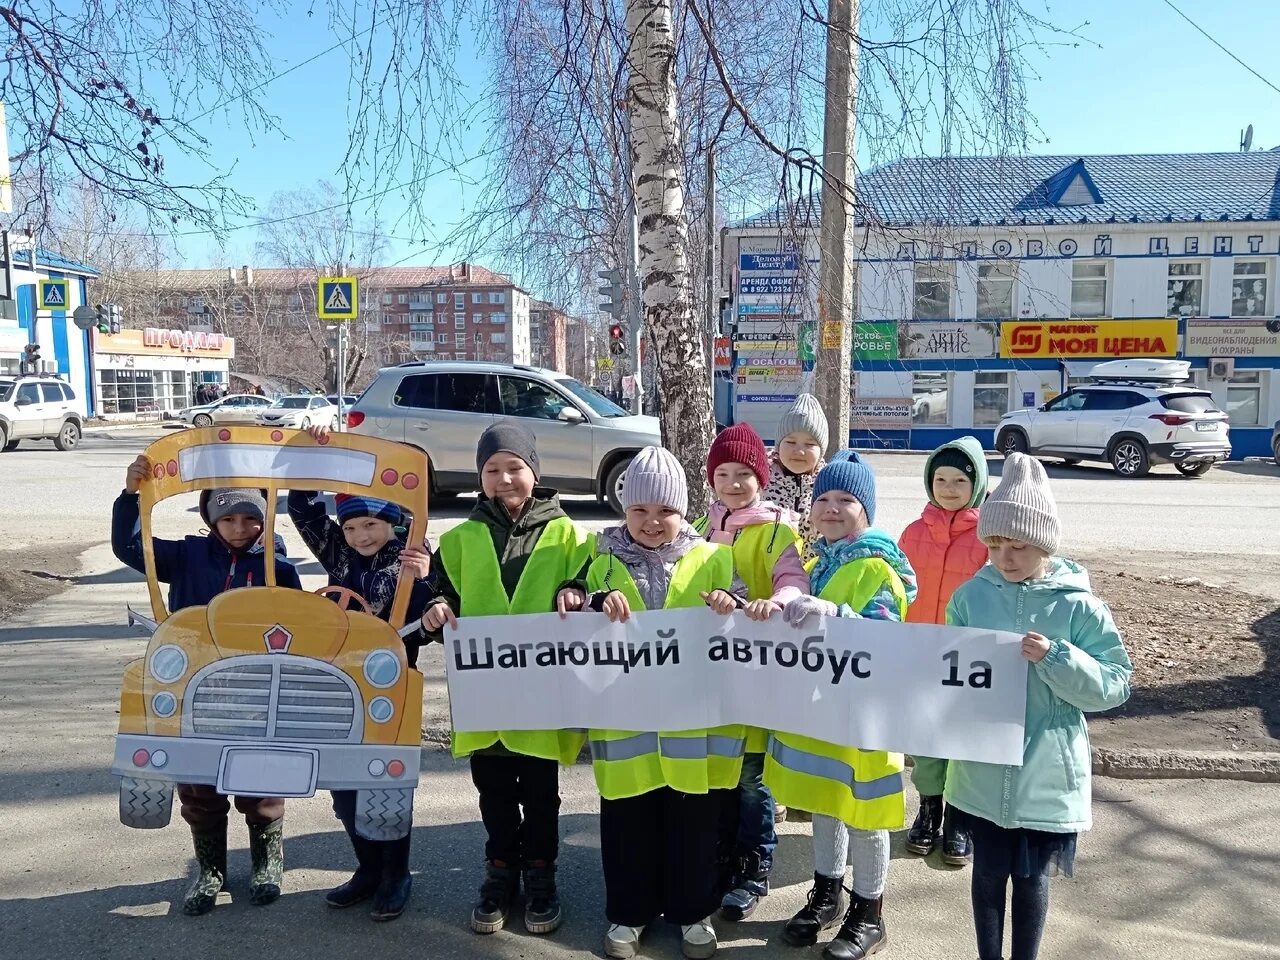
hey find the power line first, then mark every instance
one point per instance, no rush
(1199, 29)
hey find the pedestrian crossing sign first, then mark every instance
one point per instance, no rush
(338, 298)
(53, 294)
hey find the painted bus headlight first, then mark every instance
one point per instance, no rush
(168, 663)
(382, 668)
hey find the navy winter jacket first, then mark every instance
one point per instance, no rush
(197, 569)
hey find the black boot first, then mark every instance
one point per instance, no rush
(862, 933)
(500, 886)
(542, 913)
(750, 883)
(266, 851)
(395, 883)
(822, 910)
(365, 880)
(211, 856)
(957, 845)
(926, 831)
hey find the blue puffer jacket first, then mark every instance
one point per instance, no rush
(197, 569)
(1086, 669)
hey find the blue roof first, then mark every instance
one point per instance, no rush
(52, 261)
(999, 191)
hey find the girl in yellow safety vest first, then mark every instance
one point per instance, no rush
(663, 793)
(856, 796)
(511, 556)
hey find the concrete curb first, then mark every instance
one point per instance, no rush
(1254, 766)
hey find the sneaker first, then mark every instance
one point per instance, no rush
(500, 886)
(698, 940)
(542, 913)
(780, 813)
(622, 941)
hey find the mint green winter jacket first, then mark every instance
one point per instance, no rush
(1086, 670)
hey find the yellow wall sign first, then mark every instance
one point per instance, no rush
(338, 298)
(53, 294)
(1088, 338)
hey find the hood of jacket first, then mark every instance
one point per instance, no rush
(1063, 576)
(872, 543)
(723, 520)
(541, 508)
(972, 449)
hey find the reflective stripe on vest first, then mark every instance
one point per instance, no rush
(672, 747)
(829, 768)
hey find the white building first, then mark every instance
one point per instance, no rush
(984, 285)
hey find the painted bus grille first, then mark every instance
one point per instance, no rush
(276, 697)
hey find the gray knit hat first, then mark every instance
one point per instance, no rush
(655, 476)
(507, 436)
(227, 501)
(805, 416)
(1022, 507)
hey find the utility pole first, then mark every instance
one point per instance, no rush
(713, 300)
(834, 353)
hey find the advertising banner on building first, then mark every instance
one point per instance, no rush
(1024, 339)
(1231, 338)
(158, 342)
(880, 413)
(875, 341)
(909, 688)
(971, 340)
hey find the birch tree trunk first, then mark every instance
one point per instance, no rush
(688, 421)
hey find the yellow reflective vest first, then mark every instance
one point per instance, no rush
(472, 564)
(628, 763)
(864, 788)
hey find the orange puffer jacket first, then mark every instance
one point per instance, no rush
(944, 551)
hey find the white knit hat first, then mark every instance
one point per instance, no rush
(805, 416)
(655, 476)
(1022, 506)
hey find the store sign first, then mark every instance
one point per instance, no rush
(951, 341)
(723, 353)
(158, 342)
(875, 341)
(1231, 338)
(1088, 338)
(880, 413)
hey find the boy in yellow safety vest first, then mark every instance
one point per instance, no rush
(856, 796)
(766, 554)
(663, 793)
(510, 557)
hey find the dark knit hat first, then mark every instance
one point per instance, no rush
(507, 436)
(351, 506)
(951, 457)
(228, 501)
(849, 472)
(739, 444)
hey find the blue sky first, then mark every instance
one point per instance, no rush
(1146, 82)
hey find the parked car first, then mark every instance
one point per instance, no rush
(299, 411)
(233, 408)
(38, 408)
(1135, 414)
(348, 399)
(585, 440)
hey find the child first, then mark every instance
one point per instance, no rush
(365, 555)
(796, 462)
(858, 572)
(511, 556)
(197, 569)
(658, 816)
(944, 551)
(766, 555)
(1024, 819)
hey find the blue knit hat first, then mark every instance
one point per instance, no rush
(350, 507)
(849, 472)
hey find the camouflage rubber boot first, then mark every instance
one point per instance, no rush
(211, 857)
(266, 849)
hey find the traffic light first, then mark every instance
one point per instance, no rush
(104, 317)
(117, 318)
(31, 357)
(611, 292)
(617, 340)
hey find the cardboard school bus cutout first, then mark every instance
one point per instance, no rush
(269, 691)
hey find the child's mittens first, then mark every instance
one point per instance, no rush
(801, 608)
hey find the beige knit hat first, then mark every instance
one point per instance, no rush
(1022, 506)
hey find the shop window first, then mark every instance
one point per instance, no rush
(930, 393)
(1249, 289)
(990, 398)
(1186, 289)
(1244, 398)
(1089, 288)
(933, 283)
(995, 290)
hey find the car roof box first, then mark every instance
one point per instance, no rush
(1142, 371)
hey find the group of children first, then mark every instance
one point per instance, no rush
(687, 818)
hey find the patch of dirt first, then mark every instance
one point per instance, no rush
(34, 573)
(1206, 663)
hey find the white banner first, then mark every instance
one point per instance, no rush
(927, 690)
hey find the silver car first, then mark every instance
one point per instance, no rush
(585, 441)
(233, 408)
(300, 411)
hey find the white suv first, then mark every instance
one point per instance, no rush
(1135, 414)
(38, 407)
